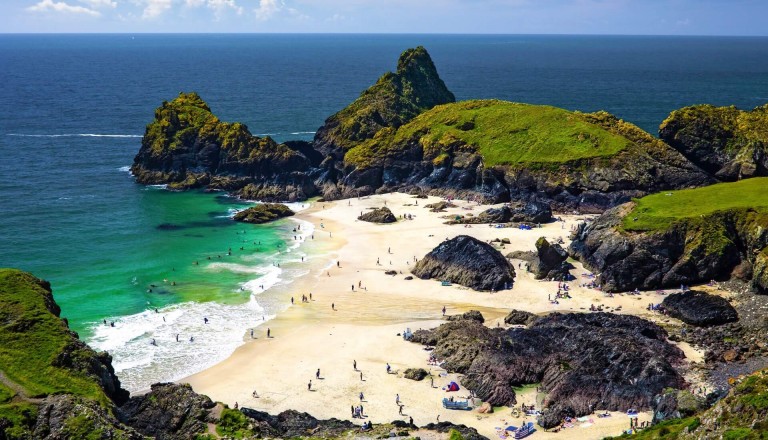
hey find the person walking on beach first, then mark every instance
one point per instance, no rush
(354, 364)
(388, 368)
(317, 374)
(410, 421)
(443, 310)
(292, 303)
(361, 396)
(400, 409)
(333, 306)
(397, 399)
(269, 333)
(251, 333)
(309, 386)
(361, 376)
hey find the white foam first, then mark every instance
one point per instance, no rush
(76, 135)
(139, 363)
(267, 280)
(125, 169)
(303, 132)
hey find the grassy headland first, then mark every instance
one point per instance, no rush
(658, 211)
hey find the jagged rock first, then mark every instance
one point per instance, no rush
(472, 315)
(71, 417)
(466, 432)
(467, 261)
(395, 99)
(520, 317)
(533, 211)
(186, 146)
(416, 374)
(687, 252)
(440, 206)
(583, 361)
(699, 308)
(379, 215)
(492, 215)
(291, 424)
(676, 404)
(263, 213)
(724, 141)
(550, 262)
(390, 272)
(169, 411)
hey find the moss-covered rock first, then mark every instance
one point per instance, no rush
(510, 151)
(263, 213)
(725, 141)
(396, 98)
(378, 215)
(186, 145)
(683, 237)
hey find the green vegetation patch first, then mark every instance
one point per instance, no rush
(31, 338)
(666, 430)
(504, 133)
(659, 211)
(234, 424)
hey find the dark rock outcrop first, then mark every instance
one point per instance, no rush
(472, 315)
(415, 374)
(583, 361)
(378, 215)
(687, 252)
(699, 308)
(169, 411)
(527, 256)
(532, 211)
(724, 141)
(263, 213)
(520, 317)
(466, 432)
(467, 261)
(186, 146)
(550, 263)
(71, 417)
(676, 404)
(292, 424)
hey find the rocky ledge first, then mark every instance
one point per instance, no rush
(378, 215)
(583, 362)
(467, 261)
(724, 141)
(263, 213)
(699, 308)
(714, 237)
(550, 262)
(532, 211)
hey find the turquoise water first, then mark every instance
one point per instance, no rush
(73, 109)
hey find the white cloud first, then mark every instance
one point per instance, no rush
(50, 5)
(219, 6)
(100, 3)
(155, 8)
(268, 8)
(194, 3)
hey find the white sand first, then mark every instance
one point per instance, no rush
(365, 324)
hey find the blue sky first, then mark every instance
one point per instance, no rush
(635, 17)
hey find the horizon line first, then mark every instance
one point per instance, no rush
(396, 34)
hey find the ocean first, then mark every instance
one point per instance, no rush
(73, 109)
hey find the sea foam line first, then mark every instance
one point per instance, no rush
(76, 135)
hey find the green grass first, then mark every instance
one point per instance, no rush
(31, 338)
(6, 394)
(659, 211)
(233, 424)
(21, 416)
(666, 430)
(504, 133)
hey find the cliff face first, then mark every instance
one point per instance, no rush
(630, 248)
(186, 146)
(725, 141)
(395, 99)
(505, 151)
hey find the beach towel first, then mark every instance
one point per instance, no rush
(586, 425)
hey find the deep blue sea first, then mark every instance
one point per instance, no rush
(73, 109)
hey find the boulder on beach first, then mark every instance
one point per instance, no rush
(550, 262)
(263, 213)
(378, 215)
(520, 317)
(699, 308)
(415, 374)
(467, 261)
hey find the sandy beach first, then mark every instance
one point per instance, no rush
(339, 325)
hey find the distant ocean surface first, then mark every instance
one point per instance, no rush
(73, 109)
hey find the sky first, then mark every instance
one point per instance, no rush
(625, 17)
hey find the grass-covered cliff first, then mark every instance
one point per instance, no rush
(681, 237)
(187, 146)
(514, 151)
(725, 141)
(396, 98)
